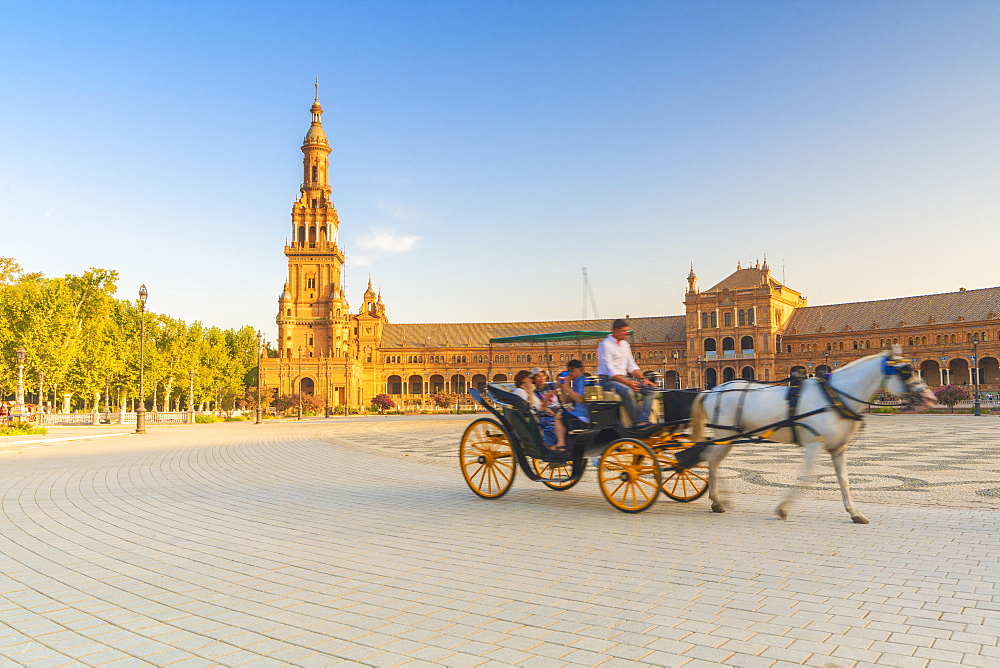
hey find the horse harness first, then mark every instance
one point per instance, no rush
(793, 421)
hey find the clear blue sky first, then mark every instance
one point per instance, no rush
(857, 143)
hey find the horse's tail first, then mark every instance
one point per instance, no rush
(698, 418)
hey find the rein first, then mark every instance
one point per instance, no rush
(834, 397)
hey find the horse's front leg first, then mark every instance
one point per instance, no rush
(839, 465)
(714, 456)
(810, 448)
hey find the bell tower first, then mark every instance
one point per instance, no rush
(312, 310)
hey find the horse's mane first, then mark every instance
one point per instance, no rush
(856, 362)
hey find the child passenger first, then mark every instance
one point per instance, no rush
(553, 433)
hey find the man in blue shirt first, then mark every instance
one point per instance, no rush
(571, 389)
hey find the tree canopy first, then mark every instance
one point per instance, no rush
(84, 339)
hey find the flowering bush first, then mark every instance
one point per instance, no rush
(949, 395)
(443, 399)
(381, 402)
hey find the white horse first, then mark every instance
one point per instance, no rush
(827, 415)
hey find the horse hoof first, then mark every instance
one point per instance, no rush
(718, 508)
(859, 519)
(781, 513)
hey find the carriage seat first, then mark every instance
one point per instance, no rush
(623, 415)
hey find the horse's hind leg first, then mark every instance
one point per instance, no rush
(810, 448)
(845, 488)
(714, 455)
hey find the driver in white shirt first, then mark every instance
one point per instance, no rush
(619, 373)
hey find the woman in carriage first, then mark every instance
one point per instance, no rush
(531, 388)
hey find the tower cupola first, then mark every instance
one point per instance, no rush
(692, 280)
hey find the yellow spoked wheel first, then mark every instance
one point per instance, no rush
(550, 470)
(487, 459)
(684, 485)
(629, 475)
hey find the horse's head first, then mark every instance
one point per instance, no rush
(900, 378)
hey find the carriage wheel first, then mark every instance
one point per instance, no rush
(629, 475)
(683, 485)
(487, 458)
(548, 470)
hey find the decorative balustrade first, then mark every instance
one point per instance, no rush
(727, 355)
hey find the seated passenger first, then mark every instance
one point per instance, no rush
(619, 373)
(551, 416)
(527, 388)
(553, 433)
(571, 389)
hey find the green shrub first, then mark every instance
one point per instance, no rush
(205, 419)
(21, 428)
(236, 418)
(886, 409)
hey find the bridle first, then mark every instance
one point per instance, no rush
(902, 367)
(891, 366)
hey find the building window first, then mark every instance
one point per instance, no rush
(750, 318)
(310, 284)
(727, 319)
(742, 318)
(715, 319)
(704, 320)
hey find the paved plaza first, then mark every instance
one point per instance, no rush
(356, 541)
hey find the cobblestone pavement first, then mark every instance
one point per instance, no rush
(356, 541)
(938, 460)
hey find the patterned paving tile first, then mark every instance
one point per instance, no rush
(355, 540)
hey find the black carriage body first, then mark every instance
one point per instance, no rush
(635, 465)
(605, 426)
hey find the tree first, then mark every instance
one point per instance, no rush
(949, 395)
(382, 402)
(76, 332)
(287, 402)
(444, 399)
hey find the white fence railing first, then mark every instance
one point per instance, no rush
(104, 417)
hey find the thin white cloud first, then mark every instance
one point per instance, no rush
(387, 241)
(359, 261)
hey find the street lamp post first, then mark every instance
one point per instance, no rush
(41, 397)
(300, 383)
(975, 369)
(140, 411)
(326, 402)
(826, 354)
(19, 403)
(260, 368)
(191, 396)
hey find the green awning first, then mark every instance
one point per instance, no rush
(577, 335)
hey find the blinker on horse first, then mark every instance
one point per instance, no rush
(825, 414)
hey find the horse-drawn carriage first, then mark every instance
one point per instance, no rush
(635, 465)
(673, 457)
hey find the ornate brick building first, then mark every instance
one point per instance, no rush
(748, 325)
